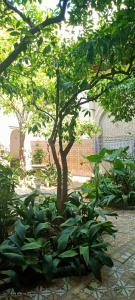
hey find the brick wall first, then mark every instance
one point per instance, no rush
(77, 165)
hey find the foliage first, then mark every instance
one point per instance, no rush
(117, 184)
(120, 101)
(38, 156)
(48, 175)
(45, 244)
(7, 200)
(76, 71)
(5, 156)
(28, 26)
(86, 128)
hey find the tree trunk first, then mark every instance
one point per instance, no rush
(62, 172)
(59, 176)
(64, 179)
(21, 149)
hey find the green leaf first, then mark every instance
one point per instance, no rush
(91, 213)
(84, 251)
(130, 164)
(71, 221)
(14, 33)
(49, 265)
(95, 267)
(100, 213)
(100, 245)
(8, 248)
(47, 49)
(118, 164)
(41, 226)
(68, 254)
(63, 241)
(110, 213)
(95, 158)
(32, 246)
(14, 257)
(14, 239)
(94, 230)
(64, 237)
(10, 273)
(20, 230)
(30, 198)
(105, 259)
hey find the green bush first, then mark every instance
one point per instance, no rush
(45, 244)
(48, 175)
(117, 185)
(38, 156)
(8, 200)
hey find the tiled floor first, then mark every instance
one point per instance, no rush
(118, 283)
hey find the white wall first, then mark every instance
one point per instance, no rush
(7, 123)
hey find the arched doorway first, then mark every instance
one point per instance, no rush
(15, 143)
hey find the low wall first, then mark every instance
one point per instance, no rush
(77, 164)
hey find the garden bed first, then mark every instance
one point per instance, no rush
(45, 244)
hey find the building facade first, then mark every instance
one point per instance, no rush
(113, 135)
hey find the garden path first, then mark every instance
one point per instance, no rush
(118, 283)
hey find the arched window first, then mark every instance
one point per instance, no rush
(15, 143)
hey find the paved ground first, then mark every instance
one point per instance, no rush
(118, 283)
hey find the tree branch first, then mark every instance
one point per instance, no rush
(22, 46)
(22, 15)
(96, 79)
(43, 111)
(107, 88)
(69, 146)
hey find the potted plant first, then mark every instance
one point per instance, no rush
(38, 156)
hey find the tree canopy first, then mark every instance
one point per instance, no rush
(28, 24)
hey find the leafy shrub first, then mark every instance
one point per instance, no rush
(48, 175)
(7, 200)
(117, 184)
(5, 156)
(38, 156)
(45, 244)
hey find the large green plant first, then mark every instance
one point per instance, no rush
(8, 200)
(117, 184)
(38, 156)
(46, 244)
(48, 175)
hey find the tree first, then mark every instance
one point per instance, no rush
(63, 130)
(95, 63)
(17, 106)
(74, 75)
(15, 98)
